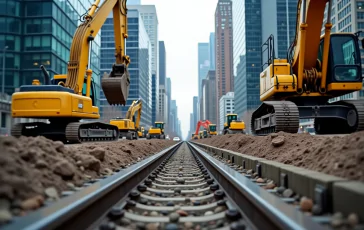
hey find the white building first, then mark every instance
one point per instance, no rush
(150, 19)
(226, 105)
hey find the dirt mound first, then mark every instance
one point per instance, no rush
(34, 168)
(341, 156)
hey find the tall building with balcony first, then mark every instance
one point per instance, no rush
(38, 33)
(138, 48)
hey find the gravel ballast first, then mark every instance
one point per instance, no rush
(341, 156)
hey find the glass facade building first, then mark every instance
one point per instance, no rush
(203, 64)
(40, 33)
(247, 37)
(138, 48)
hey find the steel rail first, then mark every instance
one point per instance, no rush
(264, 210)
(81, 209)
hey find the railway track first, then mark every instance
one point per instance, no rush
(181, 187)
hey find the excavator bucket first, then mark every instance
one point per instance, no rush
(116, 85)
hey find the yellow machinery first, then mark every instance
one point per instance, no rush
(211, 129)
(129, 126)
(141, 131)
(318, 69)
(232, 125)
(71, 97)
(157, 131)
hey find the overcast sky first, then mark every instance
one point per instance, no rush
(182, 25)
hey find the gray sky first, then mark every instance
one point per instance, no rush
(183, 24)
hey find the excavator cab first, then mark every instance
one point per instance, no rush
(212, 130)
(233, 125)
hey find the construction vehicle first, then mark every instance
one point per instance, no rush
(157, 131)
(317, 69)
(232, 125)
(141, 133)
(73, 97)
(201, 135)
(129, 126)
(209, 128)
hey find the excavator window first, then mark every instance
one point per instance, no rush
(212, 128)
(231, 118)
(346, 61)
(159, 125)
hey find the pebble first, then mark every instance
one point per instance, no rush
(316, 210)
(154, 213)
(32, 203)
(250, 171)
(5, 216)
(98, 153)
(270, 186)
(180, 168)
(152, 226)
(125, 221)
(174, 217)
(337, 220)
(260, 180)
(188, 225)
(70, 185)
(182, 212)
(208, 213)
(288, 193)
(278, 141)
(40, 164)
(79, 163)
(82, 168)
(200, 194)
(51, 192)
(353, 219)
(180, 181)
(219, 209)
(65, 169)
(306, 204)
(108, 171)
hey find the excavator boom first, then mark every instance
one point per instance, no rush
(116, 84)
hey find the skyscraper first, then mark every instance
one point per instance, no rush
(247, 38)
(195, 109)
(41, 33)
(163, 100)
(212, 51)
(224, 51)
(169, 98)
(150, 19)
(203, 63)
(138, 48)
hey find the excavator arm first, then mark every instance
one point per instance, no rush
(205, 124)
(115, 85)
(136, 106)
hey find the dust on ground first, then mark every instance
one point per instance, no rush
(341, 156)
(33, 169)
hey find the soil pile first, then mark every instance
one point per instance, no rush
(341, 156)
(33, 169)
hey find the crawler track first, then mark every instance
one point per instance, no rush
(181, 187)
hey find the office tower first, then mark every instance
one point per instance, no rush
(212, 51)
(150, 19)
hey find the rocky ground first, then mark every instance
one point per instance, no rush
(341, 156)
(34, 169)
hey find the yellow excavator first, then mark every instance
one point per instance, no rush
(317, 69)
(129, 126)
(157, 131)
(71, 96)
(232, 125)
(211, 129)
